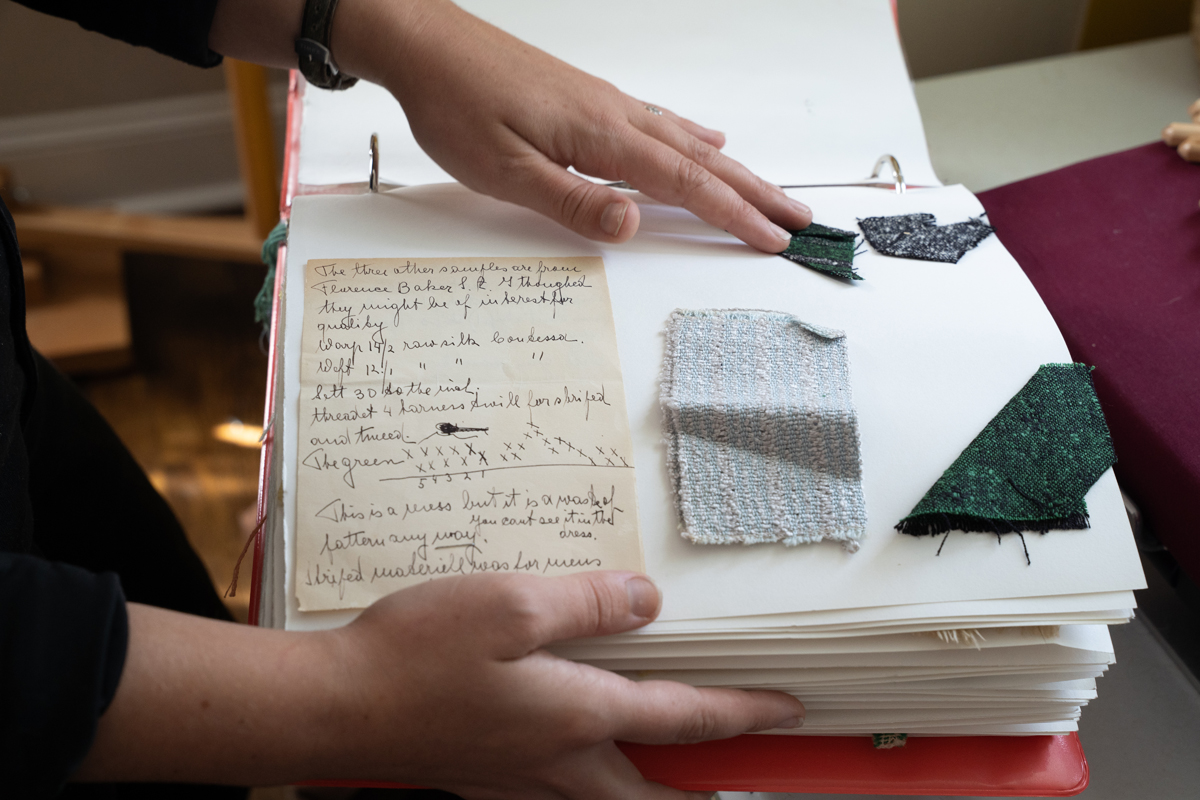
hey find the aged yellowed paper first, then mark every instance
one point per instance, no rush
(457, 416)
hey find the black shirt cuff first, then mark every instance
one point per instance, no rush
(176, 28)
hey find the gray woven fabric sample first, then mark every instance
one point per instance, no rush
(919, 236)
(762, 436)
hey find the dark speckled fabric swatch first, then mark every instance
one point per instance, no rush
(825, 249)
(1030, 468)
(919, 236)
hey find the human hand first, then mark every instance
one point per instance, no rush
(507, 119)
(446, 685)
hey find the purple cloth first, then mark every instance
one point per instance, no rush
(1113, 247)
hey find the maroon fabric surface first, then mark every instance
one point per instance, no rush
(1113, 247)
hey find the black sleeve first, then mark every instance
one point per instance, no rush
(63, 633)
(176, 28)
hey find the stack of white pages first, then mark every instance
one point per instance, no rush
(955, 635)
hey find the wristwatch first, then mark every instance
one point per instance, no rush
(316, 62)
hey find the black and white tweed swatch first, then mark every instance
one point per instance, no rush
(919, 236)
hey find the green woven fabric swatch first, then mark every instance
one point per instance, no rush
(825, 249)
(1030, 467)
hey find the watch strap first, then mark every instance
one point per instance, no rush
(316, 60)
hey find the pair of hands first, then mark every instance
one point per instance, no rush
(446, 684)
(506, 119)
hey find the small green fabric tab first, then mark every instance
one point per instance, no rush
(1030, 468)
(886, 741)
(825, 249)
(270, 254)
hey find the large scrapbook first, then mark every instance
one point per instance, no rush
(867, 473)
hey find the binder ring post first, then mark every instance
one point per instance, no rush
(897, 183)
(897, 175)
(373, 178)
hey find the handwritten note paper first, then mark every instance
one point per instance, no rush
(458, 416)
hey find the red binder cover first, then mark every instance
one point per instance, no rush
(985, 766)
(981, 766)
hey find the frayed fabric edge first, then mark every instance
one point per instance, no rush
(844, 271)
(935, 524)
(848, 539)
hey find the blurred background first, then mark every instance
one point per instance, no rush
(163, 338)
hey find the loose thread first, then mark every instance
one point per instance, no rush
(254, 534)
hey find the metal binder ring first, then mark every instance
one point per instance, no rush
(897, 175)
(373, 178)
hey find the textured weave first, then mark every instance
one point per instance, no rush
(825, 249)
(762, 436)
(1030, 467)
(919, 236)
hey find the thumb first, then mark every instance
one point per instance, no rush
(597, 212)
(572, 606)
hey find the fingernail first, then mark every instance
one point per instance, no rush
(643, 596)
(613, 217)
(799, 207)
(794, 722)
(782, 235)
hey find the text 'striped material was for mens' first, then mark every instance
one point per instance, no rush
(457, 416)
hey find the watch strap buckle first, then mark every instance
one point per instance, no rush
(316, 60)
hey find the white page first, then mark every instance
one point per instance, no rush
(964, 627)
(869, 720)
(889, 678)
(837, 725)
(944, 665)
(806, 92)
(858, 698)
(1077, 644)
(1105, 603)
(1023, 657)
(933, 691)
(936, 350)
(980, 625)
(867, 698)
(904, 642)
(982, 686)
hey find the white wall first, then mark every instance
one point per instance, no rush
(942, 36)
